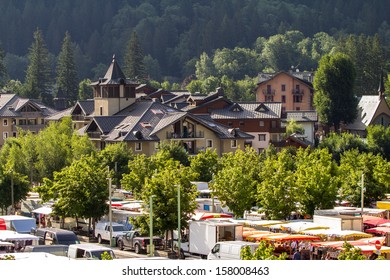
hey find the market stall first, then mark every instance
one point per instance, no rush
(379, 230)
(335, 235)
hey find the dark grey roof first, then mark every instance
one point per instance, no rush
(87, 106)
(249, 110)
(113, 76)
(106, 123)
(143, 119)
(59, 115)
(12, 106)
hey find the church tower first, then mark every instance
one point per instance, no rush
(114, 92)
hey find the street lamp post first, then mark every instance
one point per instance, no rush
(151, 245)
(362, 197)
(110, 209)
(178, 222)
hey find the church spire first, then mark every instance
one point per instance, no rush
(381, 88)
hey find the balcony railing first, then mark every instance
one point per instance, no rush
(78, 118)
(268, 91)
(298, 91)
(94, 135)
(175, 135)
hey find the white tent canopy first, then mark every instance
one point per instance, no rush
(44, 210)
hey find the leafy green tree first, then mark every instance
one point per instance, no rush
(140, 168)
(235, 184)
(263, 252)
(80, 190)
(67, 80)
(14, 185)
(14, 86)
(81, 145)
(353, 166)
(337, 144)
(205, 164)
(204, 67)
(116, 157)
(334, 83)
(317, 179)
(38, 82)
(170, 149)
(195, 86)
(164, 187)
(134, 67)
(293, 127)
(54, 149)
(277, 184)
(378, 140)
(349, 252)
(85, 90)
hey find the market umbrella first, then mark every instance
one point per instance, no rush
(374, 221)
(44, 210)
(291, 237)
(379, 230)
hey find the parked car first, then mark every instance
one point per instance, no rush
(58, 250)
(230, 250)
(88, 251)
(134, 241)
(50, 236)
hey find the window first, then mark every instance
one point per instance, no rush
(5, 122)
(269, 98)
(156, 145)
(230, 124)
(233, 143)
(13, 134)
(297, 108)
(5, 135)
(241, 123)
(101, 111)
(298, 98)
(273, 124)
(283, 87)
(209, 143)
(138, 146)
(283, 99)
(262, 137)
(261, 123)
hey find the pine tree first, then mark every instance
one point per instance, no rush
(134, 67)
(38, 77)
(67, 80)
(3, 69)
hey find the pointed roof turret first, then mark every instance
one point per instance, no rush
(114, 72)
(381, 88)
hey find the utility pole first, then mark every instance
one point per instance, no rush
(151, 245)
(362, 198)
(178, 222)
(110, 206)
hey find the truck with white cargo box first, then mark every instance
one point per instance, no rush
(203, 235)
(20, 224)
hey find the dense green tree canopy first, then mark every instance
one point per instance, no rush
(335, 100)
(67, 79)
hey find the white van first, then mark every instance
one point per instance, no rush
(230, 250)
(88, 251)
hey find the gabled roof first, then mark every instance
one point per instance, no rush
(59, 115)
(250, 110)
(268, 77)
(12, 105)
(142, 121)
(86, 106)
(367, 107)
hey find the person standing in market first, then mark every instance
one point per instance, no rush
(297, 255)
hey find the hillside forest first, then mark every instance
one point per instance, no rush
(230, 40)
